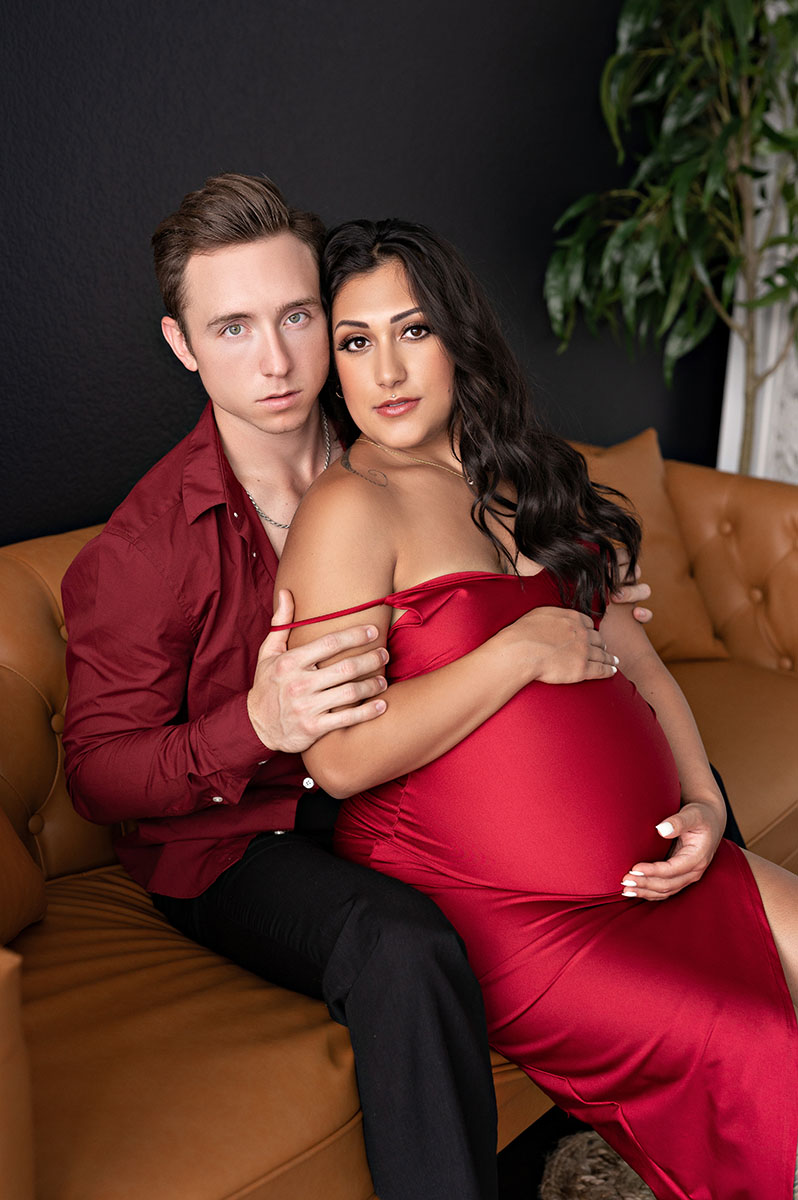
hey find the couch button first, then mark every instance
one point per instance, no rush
(757, 595)
(726, 527)
(786, 663)
(35, 824)
(57, 722)
(63, 631)
(307, 782)
(217, 799)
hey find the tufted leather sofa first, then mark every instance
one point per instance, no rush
(135, 1064)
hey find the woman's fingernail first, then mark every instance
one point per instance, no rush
(665, 829)
(630, 883)
(642, 874)
(629, 892)
(616, 659)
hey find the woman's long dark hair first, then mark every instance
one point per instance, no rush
(560, 516)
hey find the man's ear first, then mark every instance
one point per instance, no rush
(177, 340)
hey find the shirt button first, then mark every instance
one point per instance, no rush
(217, 799)
(235, 514)
(254, 554)
(307, 782)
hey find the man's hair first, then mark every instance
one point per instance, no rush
(229, 210)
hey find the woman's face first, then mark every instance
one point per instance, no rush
(396, 376)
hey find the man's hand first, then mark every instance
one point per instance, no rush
(293, 701)
(632, 593)
(696, 830)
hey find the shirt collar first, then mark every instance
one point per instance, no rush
(208, 478)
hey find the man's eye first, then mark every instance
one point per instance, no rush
(235, 330)
(297, 318)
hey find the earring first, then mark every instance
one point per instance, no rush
(338, 392)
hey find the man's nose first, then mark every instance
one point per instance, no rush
(274, 356)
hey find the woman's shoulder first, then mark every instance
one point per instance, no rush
(345, 490)
(342, 518)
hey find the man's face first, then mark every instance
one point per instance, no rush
(256, 332)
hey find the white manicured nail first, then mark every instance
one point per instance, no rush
(642, 874)
(630, 883)
(665, 829)
(629, 892)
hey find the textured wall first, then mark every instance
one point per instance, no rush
(480, 119)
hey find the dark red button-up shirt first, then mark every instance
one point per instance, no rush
(165, 613)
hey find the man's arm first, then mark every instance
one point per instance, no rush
(130, 751)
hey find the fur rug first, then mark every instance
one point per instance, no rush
(584, 1167)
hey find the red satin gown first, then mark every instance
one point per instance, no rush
(666, 1026)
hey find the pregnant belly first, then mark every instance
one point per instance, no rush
(556, 794)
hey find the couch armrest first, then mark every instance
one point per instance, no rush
(16, 1122)
(741, 536)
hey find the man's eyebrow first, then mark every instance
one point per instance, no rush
(364, 324)
(305, 302)
(228, 319)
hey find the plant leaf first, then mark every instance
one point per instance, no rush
(684, 337)
(742, 18)
(576, 209)
(681, 278)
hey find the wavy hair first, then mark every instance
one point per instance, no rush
(560, 518)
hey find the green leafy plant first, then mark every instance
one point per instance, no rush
(705, 92)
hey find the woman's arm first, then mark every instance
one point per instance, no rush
(698, 826)
(340, 553)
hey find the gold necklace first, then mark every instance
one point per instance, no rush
(425, 462)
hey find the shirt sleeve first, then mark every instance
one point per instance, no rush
(130, 751)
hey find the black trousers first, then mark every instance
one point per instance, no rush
(389, 967)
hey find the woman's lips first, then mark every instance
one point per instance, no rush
(397, 407)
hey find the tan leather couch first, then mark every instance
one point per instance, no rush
(134, 1064)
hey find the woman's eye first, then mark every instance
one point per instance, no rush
(356, 342)
(416, 332)
(235, 330)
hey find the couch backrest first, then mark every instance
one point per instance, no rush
(32, 700)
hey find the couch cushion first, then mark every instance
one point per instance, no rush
(161, 1070)
(748, 717)
(22, 897)
(16, 1132)
(681, 627)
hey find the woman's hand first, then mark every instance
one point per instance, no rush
(559, 645)
(695, 830)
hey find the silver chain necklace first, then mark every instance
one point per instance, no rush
(327, 451)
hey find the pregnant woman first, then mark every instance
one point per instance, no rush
(653, 999)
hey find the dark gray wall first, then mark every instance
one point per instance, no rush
(478, 118)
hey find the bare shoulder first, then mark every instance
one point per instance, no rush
(340, 550)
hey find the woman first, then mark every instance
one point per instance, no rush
(539, 832)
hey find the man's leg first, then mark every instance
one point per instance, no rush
(391, 968)
(732, 828)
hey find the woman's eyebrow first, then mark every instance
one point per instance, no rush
(364, 324)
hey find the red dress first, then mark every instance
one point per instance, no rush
(666, 1026)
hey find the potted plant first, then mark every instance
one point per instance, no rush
(705, 92)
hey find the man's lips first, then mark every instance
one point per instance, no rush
(395, 408)
(278, 399)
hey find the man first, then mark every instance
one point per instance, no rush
(187, 717)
